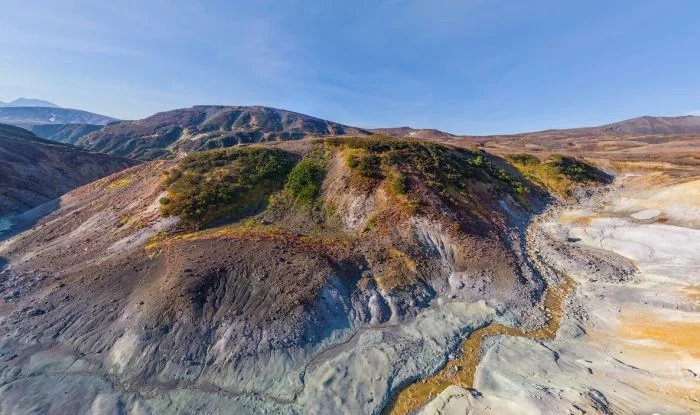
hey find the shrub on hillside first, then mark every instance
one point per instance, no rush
(557, 173)
(573, 169)
(399, 184)
(216, 185)
(304, 181)
(441, 167)
(524, 158)
(369, 165)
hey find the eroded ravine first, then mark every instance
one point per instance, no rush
(460, 371)
(627, 341)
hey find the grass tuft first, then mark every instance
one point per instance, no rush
(120, 184)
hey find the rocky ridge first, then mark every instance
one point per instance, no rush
(208, 127)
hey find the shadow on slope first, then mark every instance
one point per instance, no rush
(13, 225)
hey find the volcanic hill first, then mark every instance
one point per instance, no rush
(205, 128)
(266, 278)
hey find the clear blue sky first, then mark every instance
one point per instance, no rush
(478, 67)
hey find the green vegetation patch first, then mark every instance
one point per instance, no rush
(574, 169)
(524, 159)
(399, 184)
(304, 181)
(557, 173)
(367, 165)
(213, 186)
(445, 169)
(120, 184)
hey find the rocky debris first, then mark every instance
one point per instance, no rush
(33, 311)
(571, 258)
(435, 241)
(599, 402)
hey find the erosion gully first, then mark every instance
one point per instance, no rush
(460, 371)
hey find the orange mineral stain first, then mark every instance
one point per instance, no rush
(461, 371)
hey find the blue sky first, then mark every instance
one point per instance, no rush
(471, 66)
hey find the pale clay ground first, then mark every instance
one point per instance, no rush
(640, 353)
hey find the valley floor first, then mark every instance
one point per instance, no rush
(625, 346)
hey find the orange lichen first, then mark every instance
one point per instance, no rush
(691, 292)
(120, 183)
(336, 247)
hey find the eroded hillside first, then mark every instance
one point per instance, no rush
(207, 127)
(267, 278)
(34, 171)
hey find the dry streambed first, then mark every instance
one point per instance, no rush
(625, 346)
(460, 371)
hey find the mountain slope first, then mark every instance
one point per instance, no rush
(423, 133)
(658, 139)
(640, 126)
(28, 102)
(64, 133)
(34, 170)
(207, 127)
(27, 117)
(266, 278)
(688, 124)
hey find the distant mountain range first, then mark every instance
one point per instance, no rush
(413, 132)
(647, 125)
(208, 127)
(30, 116)
(28, 102)
(688, 124)
(34, 171)
(48, 120)
(213, 126)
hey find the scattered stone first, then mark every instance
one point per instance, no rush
(33, 311)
